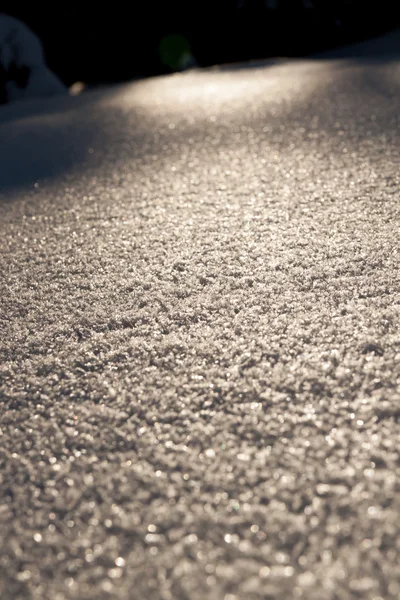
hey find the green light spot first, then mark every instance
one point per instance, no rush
(175, 52)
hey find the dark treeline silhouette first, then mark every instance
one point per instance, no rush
(126, 40)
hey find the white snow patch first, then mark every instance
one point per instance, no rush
(23, 71)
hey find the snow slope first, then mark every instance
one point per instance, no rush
(199, 338)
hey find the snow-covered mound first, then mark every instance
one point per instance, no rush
(23, 71)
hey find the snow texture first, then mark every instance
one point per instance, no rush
(23, 72)
(199, 337)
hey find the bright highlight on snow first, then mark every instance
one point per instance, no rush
(23, 71)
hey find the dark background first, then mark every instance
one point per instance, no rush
(126, 40)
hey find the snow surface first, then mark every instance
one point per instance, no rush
(199, 337)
